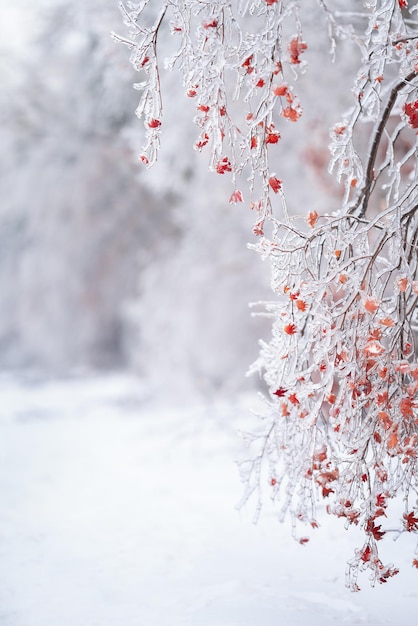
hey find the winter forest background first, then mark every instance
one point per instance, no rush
(105, 265)
(102, 266)
(129, 316)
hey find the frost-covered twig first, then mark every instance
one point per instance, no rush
(340, 419)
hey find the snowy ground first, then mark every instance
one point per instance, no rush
(116, 513)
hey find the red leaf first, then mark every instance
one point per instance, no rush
(224, 166)
(272, 137)
(411, 522)
(411, 110)
(374, 348)
(290, 329)
(380, 499)
(275, 184)
(280, 90)
(295, 48)
(247, 64)
(236, 197)
(366, 554)
(212, 24)
(202, 142)
(371, 529)
(292, 114)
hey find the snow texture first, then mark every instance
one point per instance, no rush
(118, 512)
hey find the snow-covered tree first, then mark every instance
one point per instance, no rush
(341, 414)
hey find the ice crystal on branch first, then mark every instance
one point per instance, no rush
(227, 53)
(341, 419)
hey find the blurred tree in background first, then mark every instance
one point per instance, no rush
(99, 268)
(101, 265)
(72, 212)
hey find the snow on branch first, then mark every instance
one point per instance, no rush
(341, 414)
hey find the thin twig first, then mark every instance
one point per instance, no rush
(364, 196)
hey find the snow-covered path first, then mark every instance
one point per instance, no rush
(116, 513)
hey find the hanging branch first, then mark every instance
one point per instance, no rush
(364, 195)
(340, 418)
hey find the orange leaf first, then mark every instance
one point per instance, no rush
(339, 129)
(301, 305)
(331, 398)
(385, 419)
(393, 441)
(387, 321)
(312, 218)
(371, 304)
(402, 283)
(405, 406)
